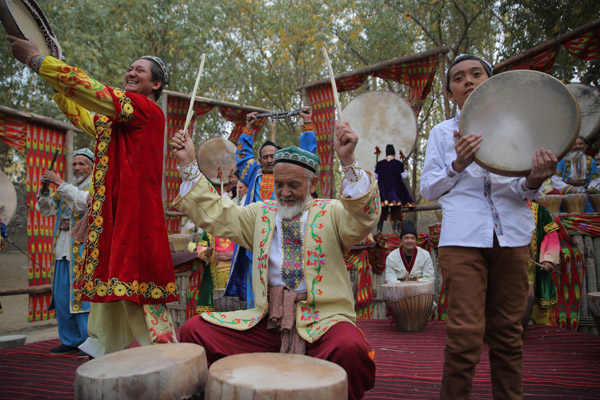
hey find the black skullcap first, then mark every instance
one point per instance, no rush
(390, 150)
(408, 227)
(268, 143)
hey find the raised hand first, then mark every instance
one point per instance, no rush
(22, 49)
(51, 177)
(344, 142)
(251, 119)
(183, 147)
(306, 114)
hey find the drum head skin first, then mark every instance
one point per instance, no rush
(588, 98)
(214, 153)
(24, 19)
(8, 199)
(380, 118)
(516, 113)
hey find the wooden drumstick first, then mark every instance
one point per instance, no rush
(333, 86)
(188, 118)
(538, 264)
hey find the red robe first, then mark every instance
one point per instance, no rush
(128, 255)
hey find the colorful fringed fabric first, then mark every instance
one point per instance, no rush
(358, 259)
(13, 132)
(41, 144)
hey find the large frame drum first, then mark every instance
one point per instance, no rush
(159, 371)
(410, 303)
(517, 113)
(216, 156)
(271, 376)
(381, 118)
(588, 98)
(24, 19)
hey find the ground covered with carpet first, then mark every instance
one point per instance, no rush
(558, 364)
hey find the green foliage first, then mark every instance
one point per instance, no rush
(258, 52)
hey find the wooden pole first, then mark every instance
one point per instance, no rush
(26, 290)
(69, 151)
(547, 45)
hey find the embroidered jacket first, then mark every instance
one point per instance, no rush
(260, 187)
(60, 208)
(333, 227)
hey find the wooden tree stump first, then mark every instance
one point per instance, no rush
(161, 371)
(267, 376)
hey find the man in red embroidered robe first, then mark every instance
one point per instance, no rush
(127, 270)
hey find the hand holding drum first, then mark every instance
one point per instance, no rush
(523, 132)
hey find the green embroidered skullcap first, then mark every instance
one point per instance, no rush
(85, 152)
(296, 155)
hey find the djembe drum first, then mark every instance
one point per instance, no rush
(410, 303)
(160, 371)
(593, 301)
(552, 202)
(574, 203)
(269, 376)
(179, 242)
(595, 201)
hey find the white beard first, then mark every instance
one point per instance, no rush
(574, 155)
(78, 180)
(288, 212)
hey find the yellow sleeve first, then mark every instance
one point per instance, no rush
(79, 116)
(358, 216)
(76, 86)
(217, 214)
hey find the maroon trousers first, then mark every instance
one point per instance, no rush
(343, 344)
(487, 296)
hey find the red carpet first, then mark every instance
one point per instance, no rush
(558, 364)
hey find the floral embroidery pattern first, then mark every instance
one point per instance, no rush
(244, 172)
(70, 78)
(292, 272)
(84, 278)
(126, 113)
(315, 259)
(373, 204)
(222, 318)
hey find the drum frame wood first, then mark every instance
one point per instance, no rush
(508, 78)
(12, 27)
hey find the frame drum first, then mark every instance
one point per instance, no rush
(380, 118)
(8, 199)
(275, 376)
(588, 98)
(516, 113)
(214, 153)
(24, 19)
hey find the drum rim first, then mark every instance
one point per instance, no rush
(12, 27)
(225, 176)
(596, 129)
(416, 133)
(524, 172)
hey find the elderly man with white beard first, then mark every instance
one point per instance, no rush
(68, 204)
(577, 173)
(303, 296)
